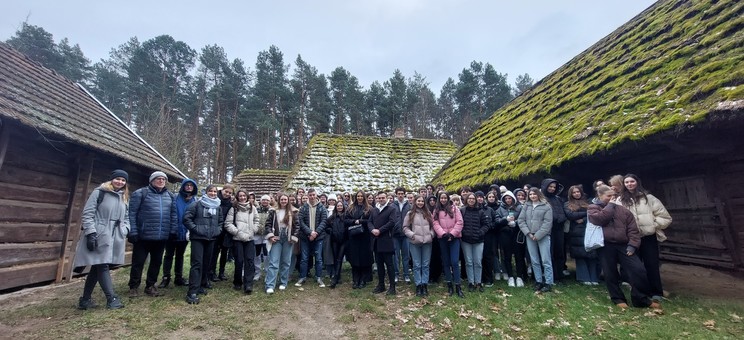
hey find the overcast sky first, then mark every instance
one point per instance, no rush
(370, 38)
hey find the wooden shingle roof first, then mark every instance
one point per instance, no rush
(675, 65)
(36, 96)
(336, 163)
(260, 181)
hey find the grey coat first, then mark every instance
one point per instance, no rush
(536, 219)
(110, 221)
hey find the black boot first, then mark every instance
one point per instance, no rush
(418, 290)
(114, 303)
(425, 290)
(180, 282)
(450, 290)
(458, 288)
(379, 289)
(391, 290)
(165, 282)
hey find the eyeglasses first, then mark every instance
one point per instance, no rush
(159, 179)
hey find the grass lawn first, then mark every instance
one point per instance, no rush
(570, 311)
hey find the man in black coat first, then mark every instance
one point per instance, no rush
(382, 222)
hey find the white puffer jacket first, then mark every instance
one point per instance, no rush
(651, 216)
(245, 225)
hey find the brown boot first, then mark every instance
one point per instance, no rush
(622, 305)
(152, 291)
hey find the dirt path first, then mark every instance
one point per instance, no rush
(702, 282)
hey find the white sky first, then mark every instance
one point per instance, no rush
(370, 38)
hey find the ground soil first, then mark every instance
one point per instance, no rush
(313, 318)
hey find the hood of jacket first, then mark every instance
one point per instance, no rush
(183, 191)
(510, 194)
(544, 187)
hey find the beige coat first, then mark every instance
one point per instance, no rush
(418, 231)
(246, 223)
(651, 216)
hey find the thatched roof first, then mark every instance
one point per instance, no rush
(670, 67)
(334, 163)
(261, 181)
(36, 96)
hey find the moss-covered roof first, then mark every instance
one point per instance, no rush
(336, 163)
(671, 66)
(261, 181)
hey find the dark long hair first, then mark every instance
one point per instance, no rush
(354, 205)
(447, 208)
(576, 204)
(627, 197)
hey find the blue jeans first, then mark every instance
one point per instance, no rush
(317, 248)
(473, 253)
(402, 246)
(540, 249)
(421, 255)
(280, 257)
(587, 270)
(450, 259)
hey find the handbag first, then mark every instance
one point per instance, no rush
(593, 237)
(355, 230)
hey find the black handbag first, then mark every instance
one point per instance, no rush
(355, 230)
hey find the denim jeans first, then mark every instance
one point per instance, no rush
(587, 270)
(473, 253)
(402, 251)
(450, 259)
(280, 257)
(317, 248)
(421, 255)
(540, 249)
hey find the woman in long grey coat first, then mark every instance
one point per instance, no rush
(105, 225)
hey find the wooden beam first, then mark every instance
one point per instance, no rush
(84, 172)
(23, 275)
(4, 141)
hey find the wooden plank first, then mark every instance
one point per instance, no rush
(12, 174)
(12, 254)
(705, 262)
(729, 232)
(20, 213)
(77, 200)
(50, 163)
(22, 232)
(23, 275)
(4, 141)
(24, 192)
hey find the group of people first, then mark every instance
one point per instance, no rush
(419, 236)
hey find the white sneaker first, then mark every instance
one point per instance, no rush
(300, 282)
(497, 276)
(511, 282)
(321, 284)
(520, 283)
(566, 272)
(595, 283)
(587, 283)
(282, 287)
(270, 291)
(256, 277)
(505, 276)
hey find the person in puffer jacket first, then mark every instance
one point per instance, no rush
(153, 220)
(510, 237)
(551, 189)
(337, 236)
(587, 263)
(176, 245)
(203, 219)
(652, 218)
(536, 220)
(475, 224)
(448, 226)
(418, 226)
(621, 240)
(241, 224)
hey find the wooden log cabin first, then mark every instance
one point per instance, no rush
(662, 97)
(261, 181)
(57, 143)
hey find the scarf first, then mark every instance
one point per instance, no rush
(211, 204)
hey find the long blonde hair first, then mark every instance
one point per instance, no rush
(110, 187)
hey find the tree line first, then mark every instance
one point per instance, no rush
(213, 116)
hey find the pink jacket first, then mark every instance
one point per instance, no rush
(446, 224)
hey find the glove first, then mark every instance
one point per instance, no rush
(447, 236)
(91, 241)
(132, 238)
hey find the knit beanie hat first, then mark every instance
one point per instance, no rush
(119, 173)
(157, 174)
(479, 194)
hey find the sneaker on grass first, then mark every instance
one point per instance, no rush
(282, 287)
(520, 282)
(321, 284)
(511, 282)
(300, 282)
(270, 291)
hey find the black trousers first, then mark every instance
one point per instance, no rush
(649, 255)
(558, 251)
(245, 269)
(610, 256)
(201, 255)
(384, 260)
(490, 255)
(141, 250)
(338, 249)
(174, 249)
(435, 266)
(218, 252)
(99, 273)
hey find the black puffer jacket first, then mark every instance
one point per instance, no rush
(336, 228)
(576, 233)
(559, 217)
(200, 225)
(475, 224)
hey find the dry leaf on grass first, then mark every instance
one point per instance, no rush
(710, 324)
(515, 328)
(496, 308)
(479, 317)
(735, 318)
